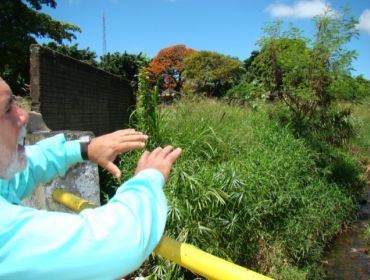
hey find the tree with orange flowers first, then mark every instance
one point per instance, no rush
(168, 65)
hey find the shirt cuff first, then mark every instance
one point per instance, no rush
(73, 149)
(153, 174)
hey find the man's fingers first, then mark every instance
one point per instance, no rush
(129, 132)
(113, 169)
(155, 152)
(143, 158)
(129, 146)
(126, 131)
(174, 155)
(166, 150)
(142, 161)
(134, 138)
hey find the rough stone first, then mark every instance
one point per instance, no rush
(36, 123)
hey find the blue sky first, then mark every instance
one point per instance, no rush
(231, 27)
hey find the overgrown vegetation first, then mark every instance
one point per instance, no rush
(266, 188)
(247, 190)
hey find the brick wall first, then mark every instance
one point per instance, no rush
(74, 95)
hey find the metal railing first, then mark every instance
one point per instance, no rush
(185, 255)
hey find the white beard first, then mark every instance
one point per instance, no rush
(18, 162)
(12, 162)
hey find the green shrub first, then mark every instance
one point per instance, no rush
(350, 89)
(243, 183)
(246, 92)
(366, 234)
(360, 144)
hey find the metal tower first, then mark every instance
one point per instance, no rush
(104, 37)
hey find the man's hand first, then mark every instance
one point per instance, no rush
(104, 149)
(160, 159)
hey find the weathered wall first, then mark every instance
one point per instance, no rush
(74, 95)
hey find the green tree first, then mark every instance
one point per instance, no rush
(124, 65)
(211, 72)
(302, 76)
(281, 53)
(249, 75)
(363, 86)
(168, 65)
(21, 23)
(281, 64)
(84, 55)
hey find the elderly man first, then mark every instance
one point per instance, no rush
(102, 243)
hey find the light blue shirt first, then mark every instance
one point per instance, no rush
(102, 243)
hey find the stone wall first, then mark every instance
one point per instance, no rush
(76, 96)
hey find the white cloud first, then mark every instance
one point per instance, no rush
(364, 21)
(300, 9)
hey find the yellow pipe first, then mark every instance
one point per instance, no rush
(202, 263)
(183, 254)
(72, 201)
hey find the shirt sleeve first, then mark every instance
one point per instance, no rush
(102, 243)
(46, 159)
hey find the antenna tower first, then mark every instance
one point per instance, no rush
(104, 37)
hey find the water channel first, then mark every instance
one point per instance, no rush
(348, 257)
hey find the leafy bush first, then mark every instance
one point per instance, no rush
(246, 92)
(85, 55)
(350, 89)
(124, 65)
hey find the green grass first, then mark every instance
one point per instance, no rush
(366, 234)
(246, 190)
(360, 145)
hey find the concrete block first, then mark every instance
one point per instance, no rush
(36, 123)
(81, 179)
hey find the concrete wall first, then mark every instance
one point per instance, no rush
(76, 96)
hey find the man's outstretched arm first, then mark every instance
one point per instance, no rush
(102, 243)
(54, 156)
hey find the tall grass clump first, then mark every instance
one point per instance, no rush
(360, 145)
(146, 115)
(247, 190)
